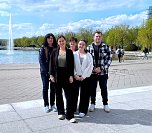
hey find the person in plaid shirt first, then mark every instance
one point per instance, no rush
(102, 58)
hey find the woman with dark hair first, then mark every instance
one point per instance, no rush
(45, 51)
(83, 66)
(73, 43)
(61, 71)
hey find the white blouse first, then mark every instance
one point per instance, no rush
(84, 69)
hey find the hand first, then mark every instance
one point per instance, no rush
(52, 78)
(81, 78)
(77, 77)
(71, 79)
(97, 70)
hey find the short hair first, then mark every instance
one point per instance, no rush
(73, 39)
(98, 32)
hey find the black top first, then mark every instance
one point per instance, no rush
(96, 53)
(53, 65)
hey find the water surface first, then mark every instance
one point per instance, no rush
(19, 57)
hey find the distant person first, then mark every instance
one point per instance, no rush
(145, 51)
(102, 58)
(119, 53)
(83, 63)
(45, 51)
(61, 71)
(73, 43)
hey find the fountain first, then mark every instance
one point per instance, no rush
(10, 46)
(11, 56)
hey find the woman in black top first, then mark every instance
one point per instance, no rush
(61, 70)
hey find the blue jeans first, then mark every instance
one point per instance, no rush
(103, 86)
(45, 83)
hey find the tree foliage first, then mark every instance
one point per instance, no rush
(129, 38)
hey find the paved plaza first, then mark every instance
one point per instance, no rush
(130, 98)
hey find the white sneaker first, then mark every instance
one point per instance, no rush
(61, 117)
(81, 115)
(106, 108)
(73, 120)
(53, 108)
(46, 109)
(92, 108)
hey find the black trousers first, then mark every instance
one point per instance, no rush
(83, 86)
(63, 84)
(103, 86)
(46, 83)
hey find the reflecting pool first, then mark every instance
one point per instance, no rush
(18, 57)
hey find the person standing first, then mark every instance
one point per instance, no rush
(119, 52)
(44, 56)
(61, 71)
(102, 58)
(73, 43)
(83, 68)
(145, 51)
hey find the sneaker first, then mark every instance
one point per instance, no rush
(73, 120)
(92, 108)
(53, 108)
(106, 108)
(61, 117)
(46, 109)
(81, 115)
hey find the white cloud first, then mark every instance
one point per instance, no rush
(70, 5)
(4, 5)
(27, 29)
(132, 20)
(4, 13)
(40, 7)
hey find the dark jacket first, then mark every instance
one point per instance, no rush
(53, 65)
(44, 55)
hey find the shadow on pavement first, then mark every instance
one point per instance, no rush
(119, 116)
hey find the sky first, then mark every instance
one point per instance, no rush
(39, 17)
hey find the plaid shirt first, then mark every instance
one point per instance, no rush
(105, 57)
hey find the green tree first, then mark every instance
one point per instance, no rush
(40, 40)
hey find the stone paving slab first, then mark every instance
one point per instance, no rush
(131, 112)
(22, 82)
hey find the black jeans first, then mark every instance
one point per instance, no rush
(75, 94)
(63, 83)
(45, 82)
(103, 86)
(84, 96)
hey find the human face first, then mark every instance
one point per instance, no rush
(61, 42)
(50, 41)
(97, 38)
(72, 44)
(81, 45)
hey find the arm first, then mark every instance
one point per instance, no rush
(70, 62)
(51, 67)
(88, 70)
(42, 60)
(108, 59)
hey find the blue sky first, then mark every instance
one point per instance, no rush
(39, 17)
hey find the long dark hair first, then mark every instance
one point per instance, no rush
(61, 36)
(45, 43)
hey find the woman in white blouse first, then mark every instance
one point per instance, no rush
(82, 70)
